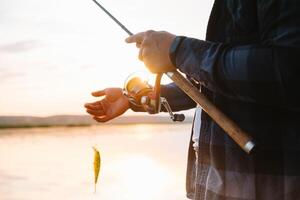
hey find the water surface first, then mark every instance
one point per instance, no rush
(139, 162)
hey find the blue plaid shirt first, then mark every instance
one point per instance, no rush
(248, 66)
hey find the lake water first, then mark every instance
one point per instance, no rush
(139, 162)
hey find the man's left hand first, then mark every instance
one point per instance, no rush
(154, 49)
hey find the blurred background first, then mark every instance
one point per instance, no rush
(52, 55)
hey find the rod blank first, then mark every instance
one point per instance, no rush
(113, 18)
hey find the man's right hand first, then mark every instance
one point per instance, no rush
(111, 106)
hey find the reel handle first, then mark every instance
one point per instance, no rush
(179, 118)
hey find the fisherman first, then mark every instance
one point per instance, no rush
(248, 67)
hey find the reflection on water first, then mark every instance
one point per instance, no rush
(139, 162)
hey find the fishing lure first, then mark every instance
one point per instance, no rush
(97, 165)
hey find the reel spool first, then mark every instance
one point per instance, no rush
(142, 94)
(136, 88)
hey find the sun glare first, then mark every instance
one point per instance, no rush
(81, 53)
(141, 177)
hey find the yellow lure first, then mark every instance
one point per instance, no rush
(97, 165)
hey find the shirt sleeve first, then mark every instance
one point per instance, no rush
(266, 72)
(254, 73)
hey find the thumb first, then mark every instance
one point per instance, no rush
(98, 93)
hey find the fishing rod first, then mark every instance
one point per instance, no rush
(242, 138)
(135, 88)
(113, 18)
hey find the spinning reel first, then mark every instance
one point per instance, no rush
(141, 94)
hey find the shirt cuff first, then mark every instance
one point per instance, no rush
(188, 54)
(174, 48)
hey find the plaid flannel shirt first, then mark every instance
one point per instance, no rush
(248, 67)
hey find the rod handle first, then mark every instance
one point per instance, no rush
(243, 139)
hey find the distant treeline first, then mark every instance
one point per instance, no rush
(77, 120)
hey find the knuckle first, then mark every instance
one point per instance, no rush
(149, 32)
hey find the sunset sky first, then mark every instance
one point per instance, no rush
(54, 53)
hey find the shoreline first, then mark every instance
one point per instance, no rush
(10, 122)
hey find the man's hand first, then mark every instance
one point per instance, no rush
(111, 106)
(154, 49)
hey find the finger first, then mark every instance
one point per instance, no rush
(101, 119)
(95, 108)
(141, 54)
(98, 93)
(95, 105)
(88, 105)
(95, 112)
(145, 53)
(137, 38)
(138, 45)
